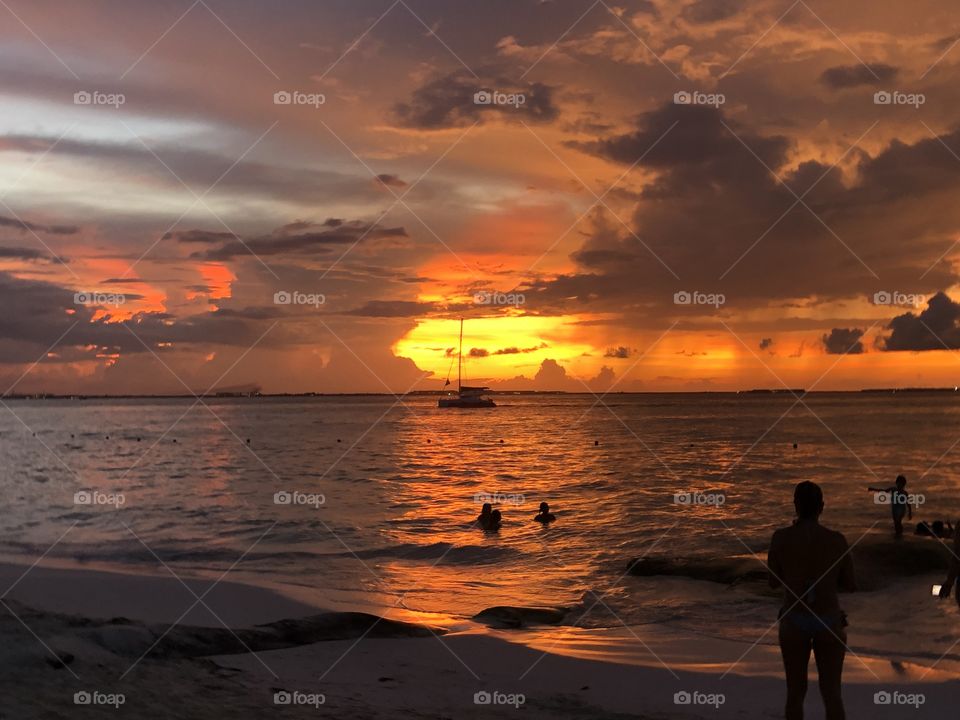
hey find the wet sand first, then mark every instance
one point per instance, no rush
(80, 630)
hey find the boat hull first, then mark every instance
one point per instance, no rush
(456, 402)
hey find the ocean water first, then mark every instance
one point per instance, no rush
(400, 483)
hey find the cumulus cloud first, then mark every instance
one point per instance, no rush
(706, 164)
(843, 341)
(937, 327)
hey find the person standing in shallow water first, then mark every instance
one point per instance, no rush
(812, 564)
(899, 503)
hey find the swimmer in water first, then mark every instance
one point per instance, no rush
(483, 519)
(899, 503)
(545, 516)
(495, 521)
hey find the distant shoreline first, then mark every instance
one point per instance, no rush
(431, 393)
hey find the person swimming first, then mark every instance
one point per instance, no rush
(812, 565)
(489, 519)
(483, 519)
(545, 516)
(899, 503)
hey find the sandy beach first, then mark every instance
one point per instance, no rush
(109, 634)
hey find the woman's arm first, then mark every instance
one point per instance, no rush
(954, 569)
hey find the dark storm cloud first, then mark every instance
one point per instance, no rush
(204, 237)
(936, 328)
(392, 309)
(686, 137)
(716, 214)
(848, 76)
(283, 243)
(391, 181)
(710, 11)
(37, 313)
(450, 101)
(34, 227)
(843, 341)
(22, 253)
(617, 352)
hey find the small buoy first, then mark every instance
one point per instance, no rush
(71, 435)
(794, 446)
(138, 439)
(501, 441)
(429, 441)
(248, 441)
(596, 442)
(338, 439)
(174, 439)
(108, 437)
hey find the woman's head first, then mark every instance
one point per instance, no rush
(808, 500)
(485, 510)
(544, 508)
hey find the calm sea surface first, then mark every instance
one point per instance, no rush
(399, 482)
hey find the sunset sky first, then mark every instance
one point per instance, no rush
(159, 199)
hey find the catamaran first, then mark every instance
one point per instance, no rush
(466, 396)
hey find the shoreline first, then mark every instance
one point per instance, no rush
(379, 667)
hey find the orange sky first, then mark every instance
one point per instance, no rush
(332, 243)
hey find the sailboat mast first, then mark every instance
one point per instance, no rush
(460, 359)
